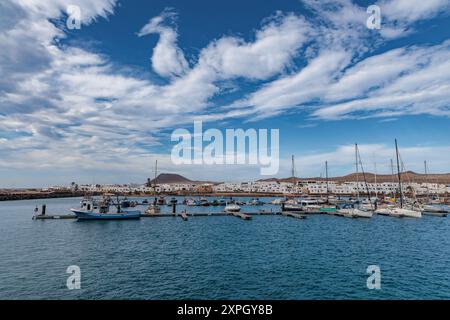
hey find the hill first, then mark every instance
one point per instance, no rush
(408, 176)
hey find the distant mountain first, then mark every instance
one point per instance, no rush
(170, 178)
(408, 176)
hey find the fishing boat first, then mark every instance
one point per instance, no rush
(215, 203)
(204, 202)
(356, 210)
(191, 202)
(328, 209)
(125, 203)
(90, 210)
(256, 202)
(222, 202)
(231, 207)
(153, 209)
(278, 201)
(411, 210)
(161, 201)
(432, 210)
(291, 207)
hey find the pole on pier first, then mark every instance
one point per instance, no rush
(399, 174)
(174, 208)
(44, 207)
(326, 176)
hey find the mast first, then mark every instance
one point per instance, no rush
(399, 174)
(426, 180)
(326, 177)
(154, 181)
(364, 175)
(357, 175)
(376, 185)
(293, 174)
(392, 177)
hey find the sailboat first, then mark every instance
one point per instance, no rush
(327, 208)
(403, 211)
(386, 210)
(430, 209)
(356, 211)
(153, 208)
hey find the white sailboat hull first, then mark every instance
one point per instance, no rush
(402, 212)
(355, 213)
(383, 211)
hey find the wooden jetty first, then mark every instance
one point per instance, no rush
(241, 215)
(293, 214)
(54, 216)
(183, 216)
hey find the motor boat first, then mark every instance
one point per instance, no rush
(232, 208)
(90, 210)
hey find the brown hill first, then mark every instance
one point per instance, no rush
(169, 178)
(409, 176)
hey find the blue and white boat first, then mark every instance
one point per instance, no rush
(92, 210)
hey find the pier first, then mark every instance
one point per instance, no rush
(183, 215)
(293, 214)
(241, 215)
(54, 216)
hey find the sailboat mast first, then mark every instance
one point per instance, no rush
(156, 173)
(326, 177)
(426, 180)
(357, 175)
(392, 177)
(293, 174)
(399, 175)
(376, 185)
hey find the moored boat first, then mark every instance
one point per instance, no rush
(232, 208)
(437, 211)
(91, 211)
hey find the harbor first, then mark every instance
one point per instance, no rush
(152, 257)
(248, 207)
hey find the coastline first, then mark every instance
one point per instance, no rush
(36, 195)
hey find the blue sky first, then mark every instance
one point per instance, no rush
(98, 104)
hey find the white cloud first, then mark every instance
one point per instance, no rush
(168, 60)
(54, 96)
(274, 47)
(412, 10)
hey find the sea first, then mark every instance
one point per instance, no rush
(222, 257)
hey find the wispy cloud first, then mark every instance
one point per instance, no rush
(53, 96)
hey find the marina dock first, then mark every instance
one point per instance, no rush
(293, 214)
(241, 215)
(183, 215)
(54, 216)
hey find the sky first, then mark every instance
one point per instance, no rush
(98, 104)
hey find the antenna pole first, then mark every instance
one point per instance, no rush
(399, 175)
(326, 176)
(356, 166)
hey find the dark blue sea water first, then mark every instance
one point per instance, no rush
(269, 257)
